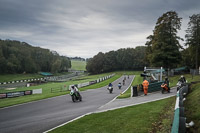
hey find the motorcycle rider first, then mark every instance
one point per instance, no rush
(110, 85)
(75, 90)
(182, 79)
(167, 82)
(119, 85)
(110, 88)
(123, 82)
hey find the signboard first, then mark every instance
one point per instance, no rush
(15, 94)
(29, 92)
(2, 95)
(92, 82)
(37, 91)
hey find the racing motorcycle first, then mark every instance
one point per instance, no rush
(165, 88)
(110, 89)
(180, 84)
(76, 96)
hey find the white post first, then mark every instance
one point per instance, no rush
(145, 68)
(131, 91)
(199, 69)
(161, 74)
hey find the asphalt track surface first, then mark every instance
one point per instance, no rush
(40, 116)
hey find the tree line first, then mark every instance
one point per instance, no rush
(161, 49)
(122, 59)
(20, 57)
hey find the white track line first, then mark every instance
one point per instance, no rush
(105, 111)
(117, 95)
(86, 113)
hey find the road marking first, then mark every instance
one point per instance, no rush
(95, 112)
(134, 104)
(118, 95)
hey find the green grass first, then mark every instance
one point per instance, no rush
(78, 65)
(192, 108)
(15, 77)
(173, 80)
(138, 80)
(46, 88)
(101, 84)
(134, 119)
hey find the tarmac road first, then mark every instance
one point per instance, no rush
(39, 116)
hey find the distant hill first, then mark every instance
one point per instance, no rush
(78, 65)
(77, 58)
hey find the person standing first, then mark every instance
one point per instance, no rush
(145, 86)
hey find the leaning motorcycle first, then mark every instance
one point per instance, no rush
(76, 96)
(110, 89)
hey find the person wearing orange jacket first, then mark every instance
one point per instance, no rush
(145, 86)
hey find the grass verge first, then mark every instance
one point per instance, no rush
(134, 119)
(46, 89)
(137, 80)
(192, 108)
(16, 77)
(78, 65)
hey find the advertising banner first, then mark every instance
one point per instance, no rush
(37, 91)
(2, 95)
(15, 94)
(29, 92)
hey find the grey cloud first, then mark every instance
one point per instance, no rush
(75, 27)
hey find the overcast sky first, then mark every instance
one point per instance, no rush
(85, 27)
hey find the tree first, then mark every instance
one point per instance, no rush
(163, 47)
(193, 36)
(122, 59)
(18, 57)
(110, 63)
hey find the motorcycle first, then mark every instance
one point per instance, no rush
(180, 84)
(119, 85)
(165, 88)
(76, 96)
(110, 89)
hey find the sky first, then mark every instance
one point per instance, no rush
(85, 27)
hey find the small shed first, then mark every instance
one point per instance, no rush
(46, 74)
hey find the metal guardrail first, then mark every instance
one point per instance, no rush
(179, 122)
(155, 86)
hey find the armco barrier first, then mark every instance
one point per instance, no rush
(92, 82)
(15, 94)
(154, 86)
(179, 118)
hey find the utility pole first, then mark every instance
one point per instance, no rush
(197, 44)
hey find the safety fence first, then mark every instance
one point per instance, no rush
(25, 80)
(50, 78)
(20, 93)
(136, 90)
(155, 86)
(91, 82)
(60, 89)
(179, 122)
(66, 88)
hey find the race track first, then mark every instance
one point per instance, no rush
(39, 116)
